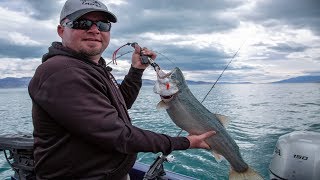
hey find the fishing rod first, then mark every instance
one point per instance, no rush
(222, 73)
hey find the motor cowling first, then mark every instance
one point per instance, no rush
(296, 156)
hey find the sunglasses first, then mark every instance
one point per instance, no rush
(85, 24)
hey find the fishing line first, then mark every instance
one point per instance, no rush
(119, 56)
(166, 57)
(222, 72)
(114, 57)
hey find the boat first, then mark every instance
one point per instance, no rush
(296, 156)
(18, 151)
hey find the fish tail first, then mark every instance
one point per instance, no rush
(249, 174)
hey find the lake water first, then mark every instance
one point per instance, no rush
(259, 114)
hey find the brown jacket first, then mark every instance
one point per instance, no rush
(82, 129)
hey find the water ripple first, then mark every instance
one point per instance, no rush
(259, 114)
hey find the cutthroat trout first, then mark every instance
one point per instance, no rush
(190, 115)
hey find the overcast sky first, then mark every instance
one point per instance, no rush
(279, 39)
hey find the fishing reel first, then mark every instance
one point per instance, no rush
(156, 170)
(144, 58)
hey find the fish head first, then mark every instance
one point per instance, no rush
(168, 84)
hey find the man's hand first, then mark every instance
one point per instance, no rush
(136, 58)
(198, 141)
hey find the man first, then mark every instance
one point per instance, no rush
(82, 129)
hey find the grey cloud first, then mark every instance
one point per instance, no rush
(313, 73)
(207, 5)
(44, 9)
(10, 50)
(186, 57)
(243, 67)
(173, 17)
(176, 17)
(260, 44)
(39, 9)
(280, 51)
(288, 48)
(270, 55)
(297, 13)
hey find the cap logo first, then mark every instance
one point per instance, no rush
(91, 3)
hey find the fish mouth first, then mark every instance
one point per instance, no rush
(166, 97)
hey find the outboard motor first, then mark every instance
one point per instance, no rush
(296, 156)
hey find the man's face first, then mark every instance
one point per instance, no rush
(90, 42)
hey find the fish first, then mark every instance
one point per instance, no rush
(192, 116)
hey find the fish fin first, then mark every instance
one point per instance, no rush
(217, 156)
(223, 119)
(162, 105)
(249, 174)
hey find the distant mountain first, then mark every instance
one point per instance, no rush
(189, 82)
(301, 79)
(244, 82)
(152, 82)
(11, 82)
